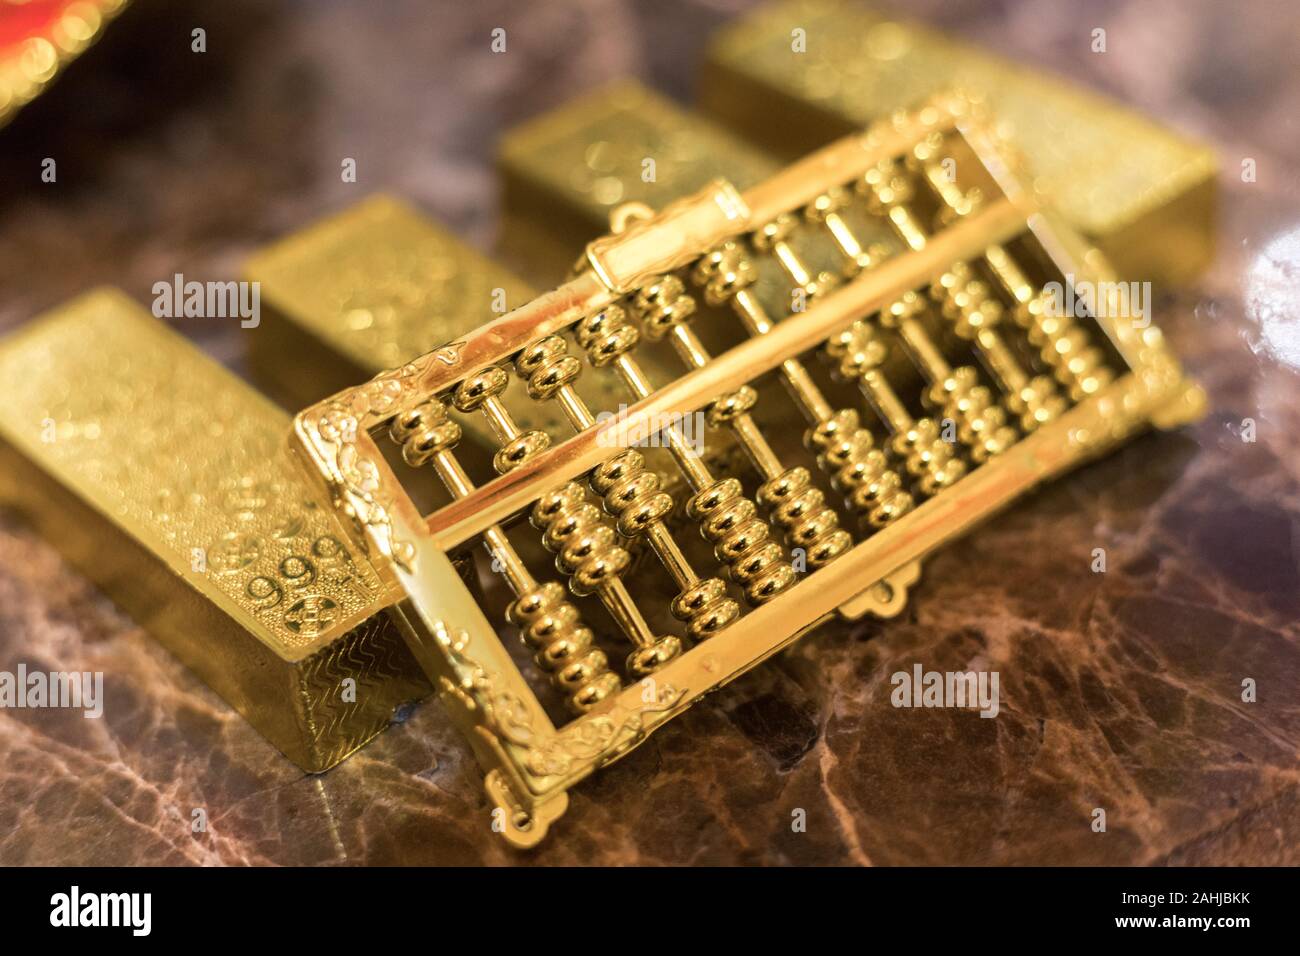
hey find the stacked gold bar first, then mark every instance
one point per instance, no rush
(365, 290)
(166, 480)
(795, 75)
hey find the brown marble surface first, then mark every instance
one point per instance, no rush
(1119, 690)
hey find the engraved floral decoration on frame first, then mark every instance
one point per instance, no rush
(358, 478)
(590, 741)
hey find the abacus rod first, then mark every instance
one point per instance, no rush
(801, 385)
(695, 355)
(459, 485)
(885, 400)
(696, 471)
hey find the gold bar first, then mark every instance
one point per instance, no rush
(166, 480)
(565, 172)
(366, 290)
(1141, 192)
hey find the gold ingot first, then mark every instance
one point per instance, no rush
(366, 290)
(564, 173)
(165, 479)
(794, 75)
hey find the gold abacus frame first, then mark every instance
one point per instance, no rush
(530, 762)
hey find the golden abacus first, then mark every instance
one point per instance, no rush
(939, 253)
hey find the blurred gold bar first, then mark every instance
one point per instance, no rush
(567, 170)
(1143, 193)
(563, 172)
(369, 289)
(366, 290)
(167, 481)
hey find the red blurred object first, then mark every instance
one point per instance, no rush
(39, 37)
(19, 21)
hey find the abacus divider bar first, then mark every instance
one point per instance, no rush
(873, 290)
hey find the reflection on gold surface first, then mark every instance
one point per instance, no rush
(1272, 279)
